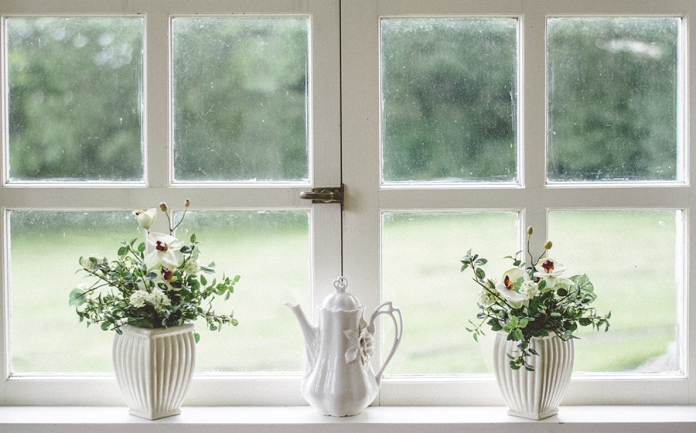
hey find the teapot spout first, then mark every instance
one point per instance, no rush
(310, 333)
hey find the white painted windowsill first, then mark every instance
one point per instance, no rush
(586, 419)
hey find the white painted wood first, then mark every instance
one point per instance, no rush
(534, 197)
(373, 420)
(158, 185)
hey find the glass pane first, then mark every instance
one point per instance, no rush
(45, 248)
(612, 99)
(630, 257)
(241, 98)
(75, 98)
(449, 99)
(420, 263)
(270, 250)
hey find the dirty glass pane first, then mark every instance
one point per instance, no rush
(632, 259)
(612, 99)
(449, 99)
(420, 274)
(240, 98)
(269, 250)
(75, 98)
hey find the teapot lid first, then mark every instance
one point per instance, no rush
(341, 300)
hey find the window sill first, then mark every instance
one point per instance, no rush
(304, 419)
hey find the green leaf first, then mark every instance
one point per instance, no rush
(193, 238)
(141, 247)
(236, 280)
(122, 251)
(562, 292)
(480, 274)
(77, 298)
(204, 281)
(196, 335)
(150, 276)
(105, 326)
(185, 249)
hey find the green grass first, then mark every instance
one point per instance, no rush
(634, 278)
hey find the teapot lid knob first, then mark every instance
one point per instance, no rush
(340, 283)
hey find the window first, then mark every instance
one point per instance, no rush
(452, 124)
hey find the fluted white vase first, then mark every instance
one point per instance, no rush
(154, 368)
(534, 394)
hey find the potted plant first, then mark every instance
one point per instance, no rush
(150, 295)
(535, 312)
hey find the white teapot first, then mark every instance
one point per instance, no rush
(339, 380)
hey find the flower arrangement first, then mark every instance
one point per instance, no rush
(532, 300)
(154, 284)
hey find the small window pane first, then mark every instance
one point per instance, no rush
(449, 100)
(270, 250)
(420, 268)
(75, 98)
(241, 98)
(612, 99)
(630, 257)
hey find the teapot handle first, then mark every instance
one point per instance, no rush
(398, 331)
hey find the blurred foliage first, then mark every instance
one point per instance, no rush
(449, 99)
(613, 98)
(75, 96)
(241, 108)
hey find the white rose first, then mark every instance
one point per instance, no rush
(164, 251)
(146, 217)
(158, 299)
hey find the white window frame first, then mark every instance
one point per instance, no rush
(532, 196)
(346, 109)
(159, 185)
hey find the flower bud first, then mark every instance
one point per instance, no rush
(548, 245)
(187, 204)
(163, 207)
(530, 230)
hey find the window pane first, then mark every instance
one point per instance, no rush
(241, 98)
(75, 98)
(270, 250)
(612, 99)
(449, 99)
(630, 257)
(45, 248)
(420, 262)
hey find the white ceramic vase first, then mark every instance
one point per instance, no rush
(534, 394)
(154, 368)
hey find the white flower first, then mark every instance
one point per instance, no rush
(192, 267)
(158, 299)
(146, 217)
(362, 346)
(84, 285)
(529, 289)
(139, 297)
(164, 251)
(507, 287)
(551, 271)
(485, 298)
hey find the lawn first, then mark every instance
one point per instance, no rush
(634, 277)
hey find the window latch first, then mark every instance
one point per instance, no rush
(324, 195)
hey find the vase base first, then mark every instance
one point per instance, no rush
(153, 416)
(533, 415)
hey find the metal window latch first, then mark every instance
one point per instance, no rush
(324, 195)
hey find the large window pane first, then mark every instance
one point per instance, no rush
(241, 98)
(449, 99)
(612, 99)
(631, 257)
(75, 98)
(420, 263)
